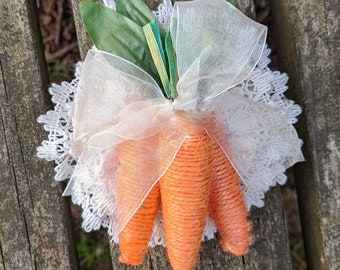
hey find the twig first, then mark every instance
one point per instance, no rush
(62, 51)
(58, 21)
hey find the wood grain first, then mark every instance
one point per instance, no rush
(35, 230)
(307, 34)
(84, 41)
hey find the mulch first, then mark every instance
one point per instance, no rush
(59, 38)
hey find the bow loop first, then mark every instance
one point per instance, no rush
(107, 85)
(217, 47)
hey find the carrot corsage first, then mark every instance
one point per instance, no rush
(175, 133)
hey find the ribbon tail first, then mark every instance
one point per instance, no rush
(257, 139)
(116, 102)
(120, 165)
(69, 188)
(142, 163)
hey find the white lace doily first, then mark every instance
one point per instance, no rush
(263, 85)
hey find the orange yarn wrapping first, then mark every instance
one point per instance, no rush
(227, 206)
(199, 179)
(134, 238)
(185, 191)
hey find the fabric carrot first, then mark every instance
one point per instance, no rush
(135, 236)
(185, 192)
(227, 206)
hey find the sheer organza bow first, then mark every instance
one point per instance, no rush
(217, 47)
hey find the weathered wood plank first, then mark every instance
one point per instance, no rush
(35, 219)
(270, 249)
(84, 41)
(307, 34)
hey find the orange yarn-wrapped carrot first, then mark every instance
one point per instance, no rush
(185, 194)
(134, 238)
(227, 206)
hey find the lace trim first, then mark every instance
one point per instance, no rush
(163, 13)
(58, 123)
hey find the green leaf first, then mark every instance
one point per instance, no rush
(171, 55)
(139, 12)
(157, 34)
(112, 32)
(233, 2)
(136, 10)
(155, 44)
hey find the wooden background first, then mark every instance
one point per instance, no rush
(36, 225)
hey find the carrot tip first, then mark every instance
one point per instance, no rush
(234, 249)
(125, 260)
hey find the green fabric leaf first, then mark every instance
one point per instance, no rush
(136, 10)
(171, 56)
(153, 38)
(139, 12)
(233, 2)
(157, 34)
(112, 32)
